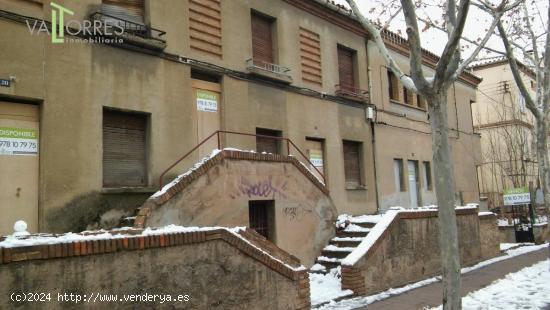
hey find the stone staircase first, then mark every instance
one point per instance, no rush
(350, 231)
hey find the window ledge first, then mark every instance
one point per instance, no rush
(356, 187)
(128, 190)
(407, 105)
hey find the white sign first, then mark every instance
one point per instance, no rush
(517, 196)
(18, 141)
(207, 101)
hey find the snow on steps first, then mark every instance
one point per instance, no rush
(351, 230)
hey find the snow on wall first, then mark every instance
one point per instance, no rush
(377, 231)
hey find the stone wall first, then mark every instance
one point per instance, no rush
(408, 250)
(489, 235)
(218, 194)
(216, 269)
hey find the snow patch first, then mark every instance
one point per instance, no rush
(364, 301)
(325, 287)
(525, 289)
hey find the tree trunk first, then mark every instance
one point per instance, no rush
(543, 161)
(445, 193)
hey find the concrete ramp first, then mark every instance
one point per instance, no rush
(234, 188)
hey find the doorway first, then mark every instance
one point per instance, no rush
(261, 217)
(19, 162)
(414, 194)
(207, 98)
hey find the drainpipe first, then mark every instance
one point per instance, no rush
(372, 125)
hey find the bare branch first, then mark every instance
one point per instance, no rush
(414, 43)
(451, 48)
(377, 38)
(529, 102)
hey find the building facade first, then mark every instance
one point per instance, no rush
(102, 119)
(506, 128)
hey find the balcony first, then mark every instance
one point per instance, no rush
(352, 93)
(269, 70)
(135, 33)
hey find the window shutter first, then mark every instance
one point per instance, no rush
(124, 149)
(345, 68)
(393, 86)
(310, 54)
(267, 145)
(352, 165)
(132, 10)
(262, 41)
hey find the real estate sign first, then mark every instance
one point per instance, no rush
(516, 196)
(207, 101)
(18, 141)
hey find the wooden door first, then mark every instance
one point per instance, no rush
(316, 155)
(19, 163)
(206, 98)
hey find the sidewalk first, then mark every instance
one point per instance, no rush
(430, 295)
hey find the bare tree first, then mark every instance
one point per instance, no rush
(521, 36)
(434, 89)
(507, 133)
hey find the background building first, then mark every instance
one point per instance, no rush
(506, 128)
(108, 119)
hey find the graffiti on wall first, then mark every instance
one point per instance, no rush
(293, 213)
(264, 188)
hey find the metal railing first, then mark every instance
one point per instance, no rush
(130, 27)
(346, 90)
(266, 66)
(218, 133)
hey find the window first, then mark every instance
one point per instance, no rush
(393, 86)
(346, 68)
(262, 39)
(427, 176)
(420, 102)
(310, 55)
(124, 149)
(261, 217)
(408, 96)
(352, 163)
(399, 175)
(131, 10)
(266, 144)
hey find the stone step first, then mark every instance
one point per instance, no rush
(347, 233)
(328, 262)
(335, 254)
(346, 242)
(364, 224)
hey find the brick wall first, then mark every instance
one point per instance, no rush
(217, 268)
(408, 251)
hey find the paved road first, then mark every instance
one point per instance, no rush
(430, 295)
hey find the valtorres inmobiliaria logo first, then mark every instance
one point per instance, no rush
(86, 31)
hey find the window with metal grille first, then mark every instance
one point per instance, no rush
(266, 144)
(124, 149)
(352, 163)
(261, 217)
(262, 39)
(346, 70)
